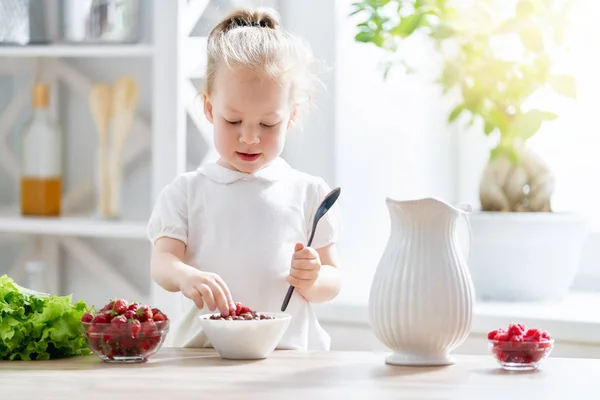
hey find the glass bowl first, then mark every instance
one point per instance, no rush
(520, 356)
(127, 342)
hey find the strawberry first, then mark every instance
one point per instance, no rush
(156, 311)
(133, 307)
(101, 319)
(130, 314)
(144, 313)
(120, 306)
(159, 317)
(135, 326)
(109, 306)
(87, 318)
(118, 320)
(149, 329)
(111, 334)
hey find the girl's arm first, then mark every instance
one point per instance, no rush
(166, 266)
(172, 274)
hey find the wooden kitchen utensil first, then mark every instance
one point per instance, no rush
(100, 105)
(124, 104)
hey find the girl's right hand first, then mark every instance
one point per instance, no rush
(207, 288)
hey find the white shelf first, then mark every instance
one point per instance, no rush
(72, 226)
(100, 50)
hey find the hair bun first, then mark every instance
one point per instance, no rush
(243, 17)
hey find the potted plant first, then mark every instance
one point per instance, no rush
(521, 248)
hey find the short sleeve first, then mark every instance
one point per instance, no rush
(169, 217)
(329, 226)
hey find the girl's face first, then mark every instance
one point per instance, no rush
(251, 115)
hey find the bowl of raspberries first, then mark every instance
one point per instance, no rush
(245, 334)
(125, 332)
(518, 348)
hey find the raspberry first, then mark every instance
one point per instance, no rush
(516, 329)
(516, 338)
(504, 337)
(493, 335)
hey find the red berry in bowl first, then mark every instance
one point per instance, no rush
(518, 348)
(118, 333)
(159, 317)
(120, 306)
(87, 317)
(144, 313)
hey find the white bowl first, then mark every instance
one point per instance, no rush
(245, 340)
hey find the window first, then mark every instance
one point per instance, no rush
(392, 139)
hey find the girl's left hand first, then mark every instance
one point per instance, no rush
(306, 265)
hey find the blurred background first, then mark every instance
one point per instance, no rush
(492, 103)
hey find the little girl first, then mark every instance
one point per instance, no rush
(236, 230)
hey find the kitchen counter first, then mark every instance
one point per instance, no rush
(194, 373)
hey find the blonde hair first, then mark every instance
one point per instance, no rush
(253, 39)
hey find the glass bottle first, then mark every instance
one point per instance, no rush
(41, 172)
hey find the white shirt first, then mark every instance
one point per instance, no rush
(243, 227)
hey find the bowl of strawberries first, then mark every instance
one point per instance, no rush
(125, 332)
(245, 334)
(519, 349)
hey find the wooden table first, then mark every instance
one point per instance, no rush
(176, 374)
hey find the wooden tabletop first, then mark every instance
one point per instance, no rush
(189, 374)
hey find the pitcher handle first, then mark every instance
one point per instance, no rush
(467, 209)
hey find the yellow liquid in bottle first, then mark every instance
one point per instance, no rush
(41, 196)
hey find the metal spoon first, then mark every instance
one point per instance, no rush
(326, 204)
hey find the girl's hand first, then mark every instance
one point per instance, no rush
(207, 288)
(306, 265)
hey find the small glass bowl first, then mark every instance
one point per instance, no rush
(123, 343)
(520, 356)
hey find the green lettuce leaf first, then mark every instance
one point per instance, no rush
(36, 326)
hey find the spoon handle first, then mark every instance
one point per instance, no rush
(327, 203)
(290, 291)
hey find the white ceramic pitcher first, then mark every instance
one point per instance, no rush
(421, 298)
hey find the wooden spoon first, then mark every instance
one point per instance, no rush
(100, 99)
(125, 102)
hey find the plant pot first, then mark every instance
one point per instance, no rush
(525, 256)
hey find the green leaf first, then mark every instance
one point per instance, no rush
(524, 8)
(450, 75)
(527, 124)
(407, 25)
(488, 127)
(564, 85)
(456, 112)
(364, 36)
(442, 31)
(35, 326)
(531, 37)
(511, 25)
(498, 118)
